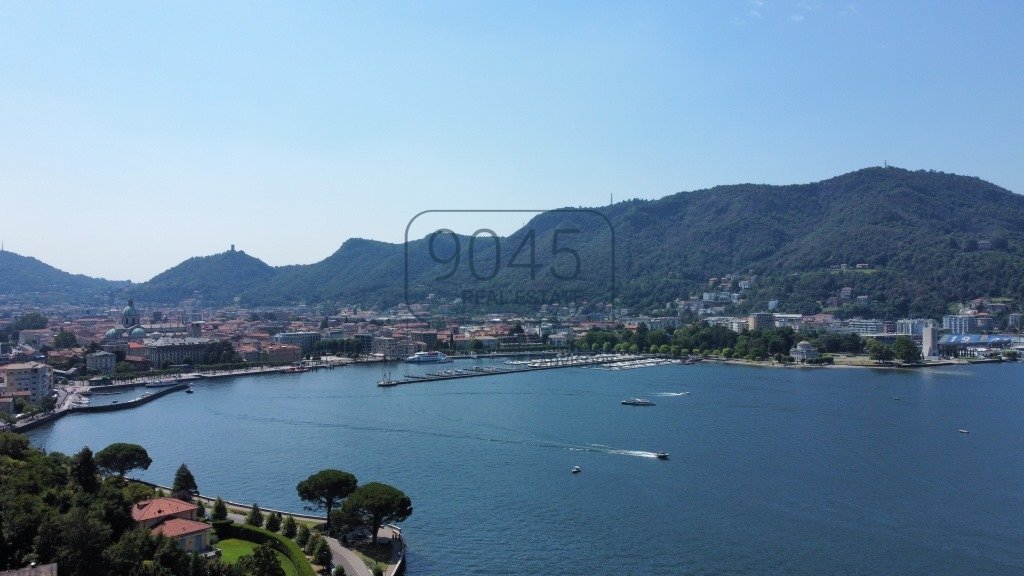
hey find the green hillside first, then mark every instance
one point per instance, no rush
(926, 238)
(41, 283)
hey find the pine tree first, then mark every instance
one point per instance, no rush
(302, 536)
(220, 510)
(322, 552)
(184, 487)
(273, 521)
(255, 516)
(289, 527)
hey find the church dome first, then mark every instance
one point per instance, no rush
(138, 333)
(112, 334)
(804, 345)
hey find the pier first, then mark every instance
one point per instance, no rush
(519, 367)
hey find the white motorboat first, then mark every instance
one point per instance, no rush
(433, 357)
(576, 469)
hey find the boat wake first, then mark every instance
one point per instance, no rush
(507, 435)
(670, 394)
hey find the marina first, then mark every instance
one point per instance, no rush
(520, 366)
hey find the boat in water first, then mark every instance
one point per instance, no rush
(576, 469)
(189, 391)
(661, 455)
(637, 402)
(964, 431)
(433, 357)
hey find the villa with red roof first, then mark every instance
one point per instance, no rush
(175, 519)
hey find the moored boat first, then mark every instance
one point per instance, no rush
(433, 357)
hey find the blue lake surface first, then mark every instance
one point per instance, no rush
(772, 471)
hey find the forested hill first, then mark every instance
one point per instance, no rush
(38, 282)
(926, 239)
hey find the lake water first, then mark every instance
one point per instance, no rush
(772, 471)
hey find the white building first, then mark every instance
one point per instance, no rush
(913, 326)
(32, 377)
(959, 324)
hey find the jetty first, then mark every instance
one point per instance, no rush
(521, 366)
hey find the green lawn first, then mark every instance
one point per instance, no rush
(232, 549)
(372, 556)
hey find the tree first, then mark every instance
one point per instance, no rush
(905, 349)
(262, 562)
(30, 321)
(326, 488)
(322, 553)
(184, 487)
(120, 457)
(255, 516)
(314, 539)
(65, 339)
(377, 503)
(302, 536)
(84, 470)
(273, 521)
(288, 527)
(878, 350)
(220, 510)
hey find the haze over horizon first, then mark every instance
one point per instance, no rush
(137, 136)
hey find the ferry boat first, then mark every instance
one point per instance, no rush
(637, 402)
(433, 357)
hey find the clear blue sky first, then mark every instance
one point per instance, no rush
(134, 135)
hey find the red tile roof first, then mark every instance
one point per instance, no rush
(158, 508)
(175, 527)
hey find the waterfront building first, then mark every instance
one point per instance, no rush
(929, 342)
(169, 351)
(102, 362)
(973, 344)
(175, 519)
(804, 351)
(283, 352)
(35, 378)
(304, 340)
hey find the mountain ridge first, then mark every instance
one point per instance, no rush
(919, 231)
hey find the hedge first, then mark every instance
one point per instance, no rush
(260, 536)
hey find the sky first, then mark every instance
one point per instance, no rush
(136, 135)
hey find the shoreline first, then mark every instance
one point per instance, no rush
(883, 366)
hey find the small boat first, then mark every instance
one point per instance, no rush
(964, 431)
(661, 455)
(637, 402)
(114, 402)
(576, 469)
(189, 391)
